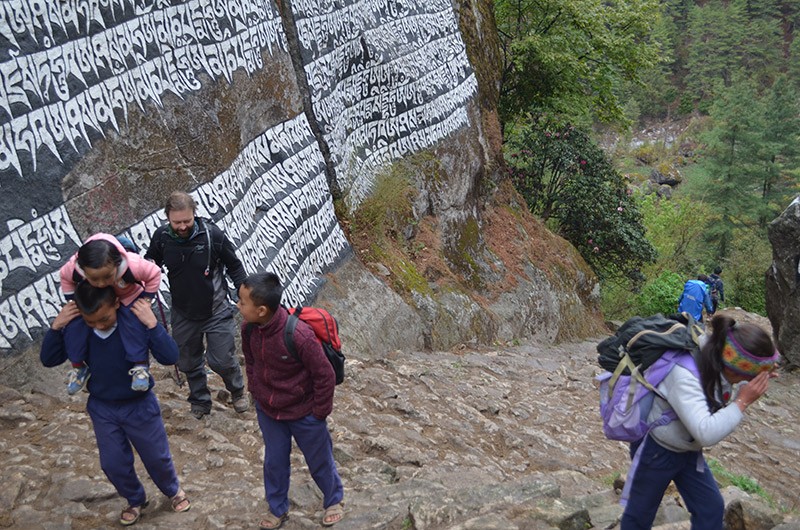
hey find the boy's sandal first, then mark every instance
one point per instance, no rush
(180, 502)
(333, 514)
(130, 515)
(271, 522)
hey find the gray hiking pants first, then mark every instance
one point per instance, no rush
(219, 350)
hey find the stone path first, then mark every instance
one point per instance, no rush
(487, 438)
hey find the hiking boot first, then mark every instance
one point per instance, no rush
(78, 377)
(141, 378)
(241, 404)
(199, 412)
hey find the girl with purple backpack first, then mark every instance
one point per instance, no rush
(708, 409)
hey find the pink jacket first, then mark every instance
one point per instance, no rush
(142, 270)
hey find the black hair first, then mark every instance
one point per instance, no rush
(265, 289)
(89, 298)
(98, 253)
(717, 270)
(702, 277)
(751, 337)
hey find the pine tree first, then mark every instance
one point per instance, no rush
(781, 144)
(733, 158)
(716, 33)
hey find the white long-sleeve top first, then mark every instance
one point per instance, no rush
(696, 426)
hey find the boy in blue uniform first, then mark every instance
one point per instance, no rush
(293, 399)
(121, 417)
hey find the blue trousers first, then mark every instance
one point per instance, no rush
(315, 443)
(657, 468)
(118, 425)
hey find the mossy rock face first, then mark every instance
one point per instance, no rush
(464, 254)
(666, 174)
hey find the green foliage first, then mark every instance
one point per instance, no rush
(565, 177)
(387, 210)
(707, 43)
(781, 147)
(570, 56)
(731, 158)
(743, 482)
(717, 33)
(661, 294)
(744, 272)
(675, 228)
(751, 154)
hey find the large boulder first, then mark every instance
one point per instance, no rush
(783, 278)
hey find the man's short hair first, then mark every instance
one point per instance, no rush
(265, 289)
(180, 200)
(89, 298)
(702, 277)
(717, 270)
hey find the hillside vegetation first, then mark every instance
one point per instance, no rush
(721, 80)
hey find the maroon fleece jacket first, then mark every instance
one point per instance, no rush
(284, 388)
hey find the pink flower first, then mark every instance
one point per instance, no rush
(620, 208)
(596, 249)
(590, 241)
(583, 162)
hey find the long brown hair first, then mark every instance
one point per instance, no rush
(751, 337)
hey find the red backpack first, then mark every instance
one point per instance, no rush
(325, 328)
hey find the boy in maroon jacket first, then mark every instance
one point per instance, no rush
(293, 399)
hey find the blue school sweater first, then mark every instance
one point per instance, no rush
(110, 379)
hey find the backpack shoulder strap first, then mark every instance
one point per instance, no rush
(129, 277)
(288, 332)
(248, 330)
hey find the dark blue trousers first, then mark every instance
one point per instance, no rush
(315, 443)
(118, 425)
(695, 482)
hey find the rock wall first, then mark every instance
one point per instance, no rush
(783, 279)
(266, 112)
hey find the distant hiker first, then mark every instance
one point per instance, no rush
(121, 417)
(103, 261)
(716, 287)
(293, 399)
(695, 298)
(197, 255)
(707, 411)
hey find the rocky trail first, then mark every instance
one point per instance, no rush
(499, 438)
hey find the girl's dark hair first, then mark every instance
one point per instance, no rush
(265, 289)
(98, 253)
(751, 337)
(180, 200)
(89, 298)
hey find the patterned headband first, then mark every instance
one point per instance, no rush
(742, 362)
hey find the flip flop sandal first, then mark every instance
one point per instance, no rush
(335, 511)
(272, 522)
(135, 511)
(179, 499)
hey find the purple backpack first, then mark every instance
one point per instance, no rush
(626, 400)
